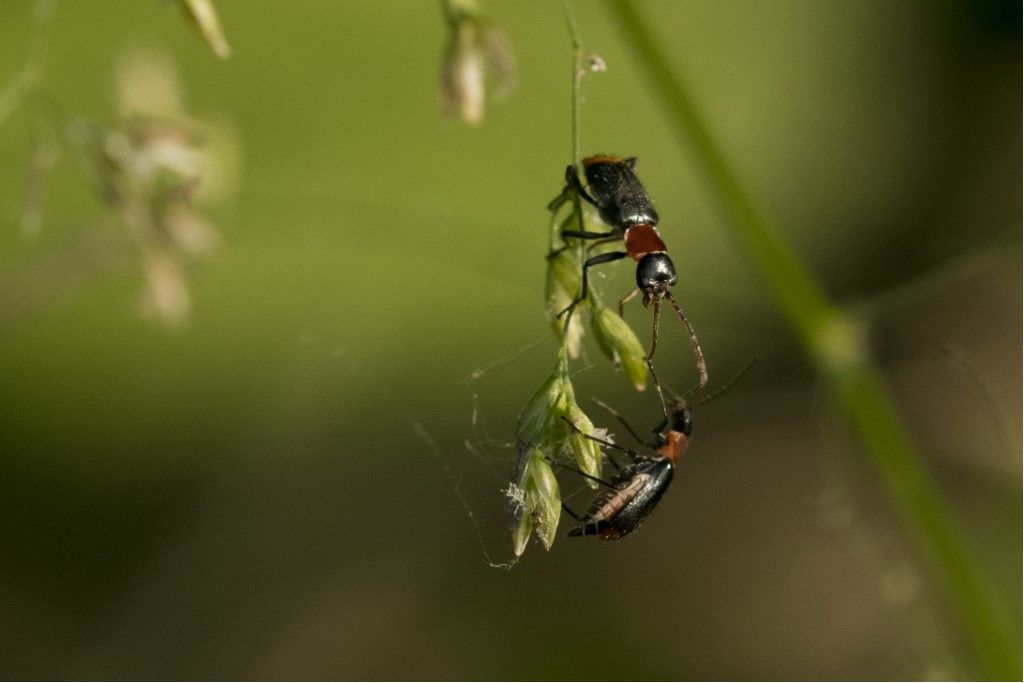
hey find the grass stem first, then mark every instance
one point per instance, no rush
(835, 343)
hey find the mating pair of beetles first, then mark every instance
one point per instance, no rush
(622, 202)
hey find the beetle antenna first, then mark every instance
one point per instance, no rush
(614, 413)
(702, 368)
(654, 330)
(730, 384)
(657, 387)
(650, 356)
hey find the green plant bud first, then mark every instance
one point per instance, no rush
(542, 433)
(187, 229)
(565, 272)
(520, 521)
(618, 341)
(564, 280)
(535, 503)
(166, 297)
(521, 534)
(545, 501)
(586, 452)
(476, 47)
(534, 425)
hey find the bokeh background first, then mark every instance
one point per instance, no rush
(248, 495)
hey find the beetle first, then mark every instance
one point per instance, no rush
(623, 203)
(637, 488)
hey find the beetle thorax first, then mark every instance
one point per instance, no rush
(641, 240)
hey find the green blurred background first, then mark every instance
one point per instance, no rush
(248, 497)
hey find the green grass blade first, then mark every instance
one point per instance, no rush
(835, 344)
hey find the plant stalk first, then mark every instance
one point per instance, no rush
(835, 342)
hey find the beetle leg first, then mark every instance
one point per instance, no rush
(572, 179)
(607, 257)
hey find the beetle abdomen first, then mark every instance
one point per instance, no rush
(619, 511)
(621, 199)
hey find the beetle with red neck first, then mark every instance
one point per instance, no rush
(623, 203)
